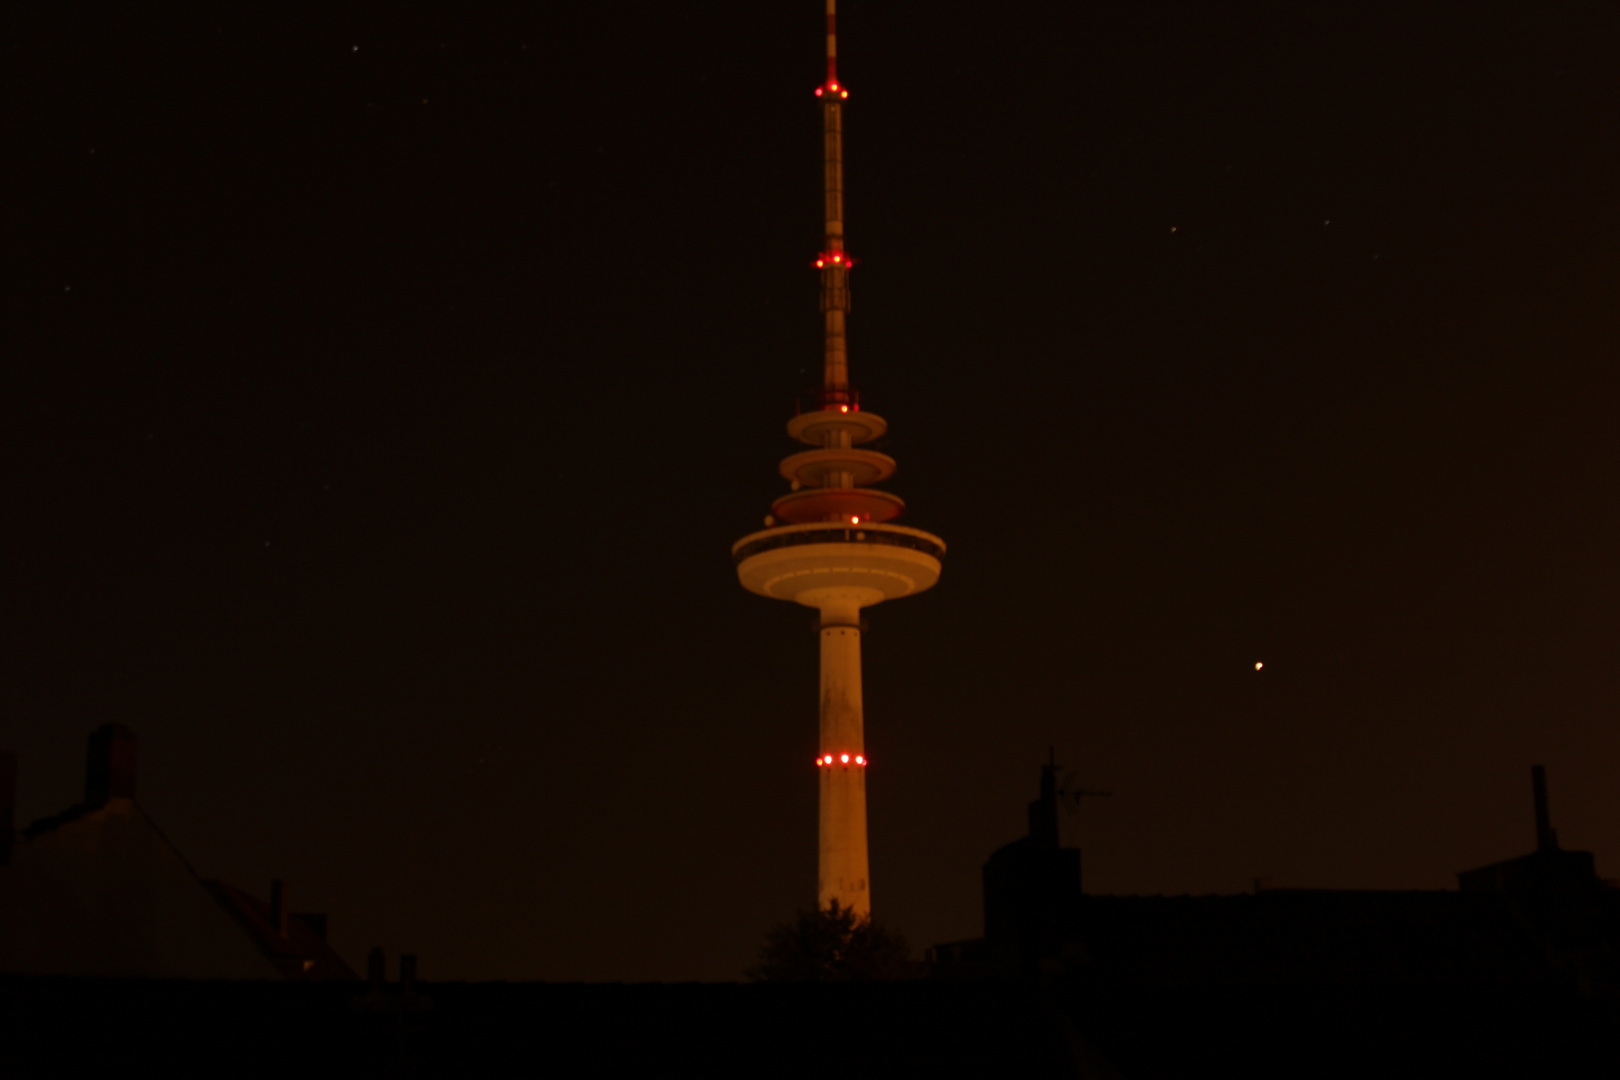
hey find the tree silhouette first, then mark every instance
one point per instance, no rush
(832, 944)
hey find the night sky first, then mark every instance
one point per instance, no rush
(384, 393)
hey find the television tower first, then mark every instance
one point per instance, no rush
(829, 543)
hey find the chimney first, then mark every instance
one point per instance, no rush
(375, 969)
(1546, 835)
(1043, 812)
(8, 805)
(109, 771)
(278, 908)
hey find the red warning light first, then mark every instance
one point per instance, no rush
(818, 91)
(843, 408)
(845, 759)
(859, 760)
(843, 93)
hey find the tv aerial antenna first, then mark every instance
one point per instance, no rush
(1069, 793)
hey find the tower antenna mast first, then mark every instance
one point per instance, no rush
(834, 262)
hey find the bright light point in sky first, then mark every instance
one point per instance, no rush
(1258, 665)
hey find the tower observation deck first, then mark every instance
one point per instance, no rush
(830, 543)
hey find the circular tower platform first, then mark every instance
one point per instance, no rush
(814, 564)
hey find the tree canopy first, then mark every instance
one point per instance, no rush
(832, 944)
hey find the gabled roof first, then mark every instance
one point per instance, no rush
(101, 891)
(298, 952)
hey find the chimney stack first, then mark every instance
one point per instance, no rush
(8, 805)
(278, 908)
(1546, 835)
(1043, 812)
(110, 766)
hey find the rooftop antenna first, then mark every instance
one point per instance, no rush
(1069, 796)
(1043, 812)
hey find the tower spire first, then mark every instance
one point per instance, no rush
(832, 41)
(834, 262)
(828, 544)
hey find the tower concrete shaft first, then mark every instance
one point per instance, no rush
(842, 865)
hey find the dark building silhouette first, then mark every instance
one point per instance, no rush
(1526, 919)
(1515, 973)
(1502, 978)
(852, 1030)
(1549, 868)
(1032, 894)
(98, 890)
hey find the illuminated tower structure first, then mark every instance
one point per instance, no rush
(830, 544)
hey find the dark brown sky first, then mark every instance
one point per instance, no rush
(384, 393)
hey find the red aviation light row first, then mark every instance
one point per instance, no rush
(842, 759)
(832, 87)
(836, 258)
